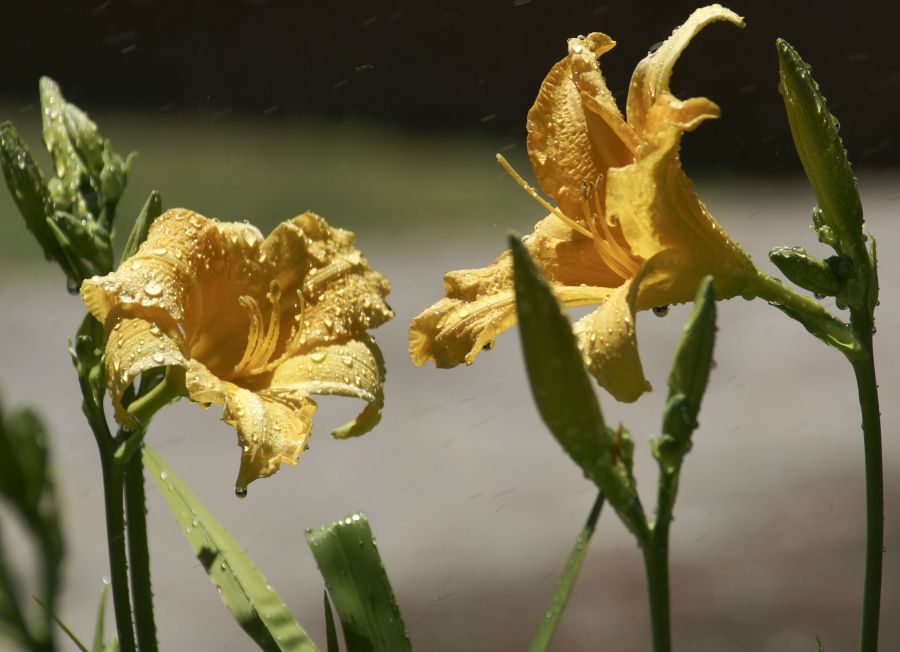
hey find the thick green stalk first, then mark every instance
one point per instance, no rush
(139, 555)
(871, 426)
(566, 581)
(656, 566)
(113, 498)
(656, 560)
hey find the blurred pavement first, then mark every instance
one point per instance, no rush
(474, 504)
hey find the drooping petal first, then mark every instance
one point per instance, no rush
(480, 303)
(343, 296)
(271, 429)
(651, 76)
(608, 341)
(654, 201)
(607, 336)
(575, 130)
(354, 369)
(133, 347)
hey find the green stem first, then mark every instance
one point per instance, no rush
(113, 498)
(871, 426)
(656, 559)
(656, 565)
(566, 581)
(139, 554)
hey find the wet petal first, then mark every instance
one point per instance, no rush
(343, 296)
(271, 430)
(354, 369)
(575, 130)
(654, 201)
(607, 336)
(480, 303)
(133, 347)
(651, 76)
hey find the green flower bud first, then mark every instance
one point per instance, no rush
(824, 159)
(806, 271)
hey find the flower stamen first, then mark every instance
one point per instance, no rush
(543, 202)
(260, 346)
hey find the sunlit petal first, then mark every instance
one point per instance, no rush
(651, 76)
(232, 309)
(480, 303)
(133, 347)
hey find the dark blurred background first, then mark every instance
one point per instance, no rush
(453, 66)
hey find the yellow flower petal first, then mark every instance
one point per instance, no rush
(651, 76)
(653, 200)
(480, 303)
(354, 369)
(272, 430)
(567, 145)
(233, 308)
(607, 336)
(608, 342)
(133, 347)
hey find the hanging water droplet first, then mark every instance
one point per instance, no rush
(818, 296)
(661, 311)
(240, 492)
(72, 286)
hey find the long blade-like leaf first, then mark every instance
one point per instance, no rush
(563, 391)
(566, 581)
(358, 584)
(330, 630)
(257, 608)
(101, 620)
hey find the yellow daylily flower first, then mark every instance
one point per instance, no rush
(257, 325)
(628, 231)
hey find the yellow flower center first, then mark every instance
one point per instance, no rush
(605, 230)
(262, 339)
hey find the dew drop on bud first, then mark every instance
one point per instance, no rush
(661, 311)
(240, 492)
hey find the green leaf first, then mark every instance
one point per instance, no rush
(98, 645)
(68, 632)
(562, 389)
(357, 582)
(23, 460)
(151, 210)
(255, 605)
(819, 146)
(806, 271)
(566, 582)
(688, 378)
(330, 630)
(27, 187)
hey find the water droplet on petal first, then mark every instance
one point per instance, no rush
(159, 358)
(661, 311)
(317, 356)
(161, 251)
(153, 289)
